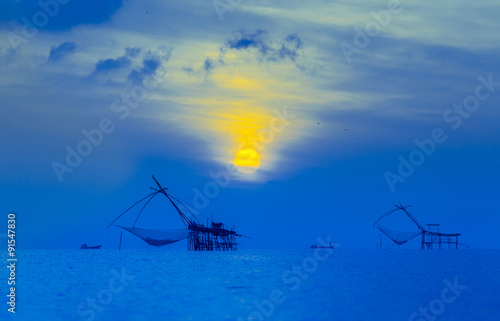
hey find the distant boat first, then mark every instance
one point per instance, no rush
(330, 246)
(85, 247)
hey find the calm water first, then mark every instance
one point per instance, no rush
(178, 285)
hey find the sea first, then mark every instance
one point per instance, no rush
(292, 284)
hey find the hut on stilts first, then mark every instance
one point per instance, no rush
(431, 236)
(200, 237)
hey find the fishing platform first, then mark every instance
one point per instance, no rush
(213, 236)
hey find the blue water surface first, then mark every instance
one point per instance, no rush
(305, 284)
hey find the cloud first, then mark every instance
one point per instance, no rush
(62, 16)
(252, 65)
(246, 40)
(132, 52)
(151, 64)
(208, 65)
(106, 66)
(289, 47)
(267, 50)
(130, 67)
(61, 51)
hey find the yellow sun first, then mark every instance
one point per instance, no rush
(247, 161)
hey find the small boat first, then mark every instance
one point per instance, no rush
(330, 246)
(85, 247)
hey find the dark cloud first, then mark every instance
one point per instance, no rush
(290, 47)
(60, 16)
(61, 51)
(132, 52)
(246, 40)
(208, 65)
(272, 51)
(113, 64)
(107, 65)
(151, 64)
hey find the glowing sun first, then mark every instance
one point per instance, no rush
(247, 161)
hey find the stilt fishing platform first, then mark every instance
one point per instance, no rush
(210, 237)
(431, 236)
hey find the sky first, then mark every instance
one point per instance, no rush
(290, 120)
